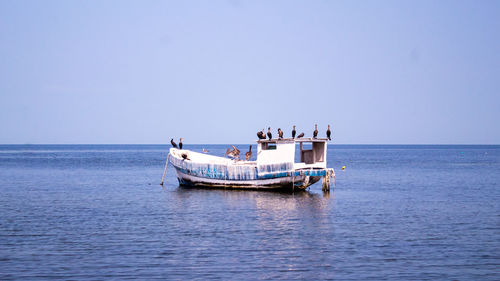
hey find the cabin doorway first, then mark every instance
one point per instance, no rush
(311, 152)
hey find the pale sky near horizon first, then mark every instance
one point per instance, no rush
(381, 72)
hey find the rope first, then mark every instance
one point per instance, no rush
(165, 170)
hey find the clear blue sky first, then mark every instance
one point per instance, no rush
(382, 72)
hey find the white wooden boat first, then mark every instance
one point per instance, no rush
(275, 167)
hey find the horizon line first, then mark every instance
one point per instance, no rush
(244, 144)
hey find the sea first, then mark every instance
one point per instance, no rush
(396, 212)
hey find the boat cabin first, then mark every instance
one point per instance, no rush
(303, 152)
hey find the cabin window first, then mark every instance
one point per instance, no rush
(269, 146)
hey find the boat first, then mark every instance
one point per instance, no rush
(274, 168)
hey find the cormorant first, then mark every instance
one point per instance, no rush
(172, 142)
(293, 132)
(328, 133)
(300, 135)
(315, 133)
(180, 143)
(280, 133)
(269, 135)
(261, 135)
(248, 155)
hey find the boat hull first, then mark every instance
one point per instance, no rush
(198, 170)
(290, 182)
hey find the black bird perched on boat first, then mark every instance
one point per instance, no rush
(315, 133)
(248, 154)
(300, 135)
(293, 132)
(172, 142)
(269, 133)
(180, 143)
(185, 156)
(328, 133)
(280, 133)
(261, 135)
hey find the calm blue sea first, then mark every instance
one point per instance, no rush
(92, 212)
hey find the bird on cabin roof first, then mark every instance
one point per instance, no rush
(315, 133)
(172, 142)
(328, 133)
(300, 135)
(248, 154)
(269, 135)
(280, 133)
(261, 135)
(180, 143)
(293, 132)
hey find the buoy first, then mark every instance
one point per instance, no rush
(343, 168)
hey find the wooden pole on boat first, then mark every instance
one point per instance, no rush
(332, 175)
(326, 181)
(165, 170)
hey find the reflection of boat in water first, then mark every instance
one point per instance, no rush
(272, 202)
(275, 167)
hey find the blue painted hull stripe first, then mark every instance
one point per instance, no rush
(218, 172)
